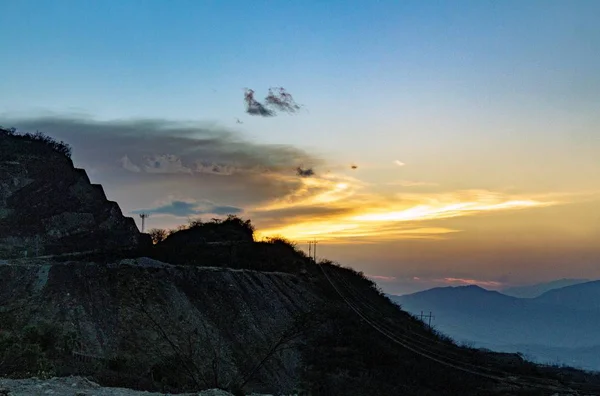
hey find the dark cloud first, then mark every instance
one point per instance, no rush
(305, 172)
(254, 107)
(278, 99)
(186, 209)
(259, 109)
(281, 100)
(159, 146)
(140, 161)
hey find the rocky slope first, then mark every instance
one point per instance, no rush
(132, 312)
(48, 207)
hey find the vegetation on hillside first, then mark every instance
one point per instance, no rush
(227, 242)
(32, 350)
(37, 137)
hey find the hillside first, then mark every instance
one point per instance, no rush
(119, 312)
(49, 207)
(210, 307)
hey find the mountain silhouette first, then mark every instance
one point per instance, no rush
(536, 290)
(582, 296)
(563, 319)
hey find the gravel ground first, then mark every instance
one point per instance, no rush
(78, 386)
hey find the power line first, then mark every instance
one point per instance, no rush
(427, 354)
(532, 381)
(412, 342)
(428, 317)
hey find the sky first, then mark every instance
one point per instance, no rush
(473, 125)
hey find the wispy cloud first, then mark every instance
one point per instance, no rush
(411, 183)
(443, 206)
(194, 208)
(367, 217)
(465, 282)
(399, 163)
(276, 100)
(381, 278)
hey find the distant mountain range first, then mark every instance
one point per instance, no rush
(560, 325)
(532, 291)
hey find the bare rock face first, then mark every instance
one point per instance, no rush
(49, 207)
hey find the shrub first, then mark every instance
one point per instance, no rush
(57, 146)
(158, 235)
(232, 228)
(279, 240)
(20, 357)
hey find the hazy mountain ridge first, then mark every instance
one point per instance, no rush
(581, 296)
(564, 320)
(536, 290)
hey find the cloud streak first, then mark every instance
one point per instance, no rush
(452, 205)
(468, 282)
(186, 209)
(373, 218)
(411, 183)
(381, 278)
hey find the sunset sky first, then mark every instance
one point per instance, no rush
(474, 125)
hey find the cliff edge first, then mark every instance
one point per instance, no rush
(49, 207)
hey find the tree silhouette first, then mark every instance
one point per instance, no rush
(158, 235)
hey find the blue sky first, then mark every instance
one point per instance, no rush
(343, 59)
(471, 95)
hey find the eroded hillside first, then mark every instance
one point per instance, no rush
(142, 313)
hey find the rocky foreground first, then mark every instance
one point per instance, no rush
(79, 386)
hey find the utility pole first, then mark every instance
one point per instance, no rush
(312, 249)
(143, 217)
(429, 317)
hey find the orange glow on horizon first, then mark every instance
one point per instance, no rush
(368, 217)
